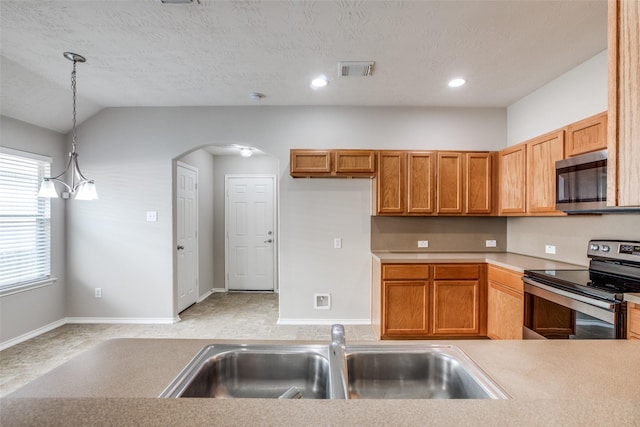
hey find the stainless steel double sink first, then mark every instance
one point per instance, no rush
(407, 371)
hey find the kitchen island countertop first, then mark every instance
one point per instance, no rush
(551, 382)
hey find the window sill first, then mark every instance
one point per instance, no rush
(27, 287)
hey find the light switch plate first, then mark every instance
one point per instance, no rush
(337, 243)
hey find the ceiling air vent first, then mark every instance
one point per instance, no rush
(356, 68)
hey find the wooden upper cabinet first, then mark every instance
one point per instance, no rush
(332, 163)
(512, 180)
(479, 183)
(310, 162)
(587, 135)
(390, 182)
(623, 140)
(355, 161)
(450, 183)
(420, 176)
(542, 154)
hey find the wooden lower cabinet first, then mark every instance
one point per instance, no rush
(405, 308)
(505, 304)
(422, 301)
(633, 321)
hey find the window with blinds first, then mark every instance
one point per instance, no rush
(25, 220)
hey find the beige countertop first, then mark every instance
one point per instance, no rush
(551, 382)
(508, 260)
(635, 298)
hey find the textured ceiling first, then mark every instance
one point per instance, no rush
(145, 53)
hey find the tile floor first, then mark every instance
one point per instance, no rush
(221, 316)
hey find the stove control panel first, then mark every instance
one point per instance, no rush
(614, 249)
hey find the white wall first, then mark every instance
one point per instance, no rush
(27, 311)
(128, 151)
(203, 161)
(579, 93)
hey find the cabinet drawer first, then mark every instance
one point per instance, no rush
(457, 271)
(508, 278)
(405, 271)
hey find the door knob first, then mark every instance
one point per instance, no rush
(180, 247)
(268, 241)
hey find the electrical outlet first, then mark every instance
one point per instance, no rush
(490, 243)
(98, 292)
(152, 216)
(549, 249)
(322, 301)
(423, 243)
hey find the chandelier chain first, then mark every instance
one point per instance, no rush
(73, 89)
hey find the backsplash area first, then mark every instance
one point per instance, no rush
(570, 235)
(444, 234)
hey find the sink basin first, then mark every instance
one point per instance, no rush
(335, 371)
(254, 371)
(416, 372)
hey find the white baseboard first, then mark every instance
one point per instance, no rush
(324, 321)
(131, 320)
(206, 295)
(32, 334)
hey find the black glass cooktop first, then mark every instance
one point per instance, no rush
(590, 282)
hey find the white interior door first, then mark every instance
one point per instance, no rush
(250, 233)
(187, 235)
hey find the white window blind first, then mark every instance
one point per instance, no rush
(25, 220)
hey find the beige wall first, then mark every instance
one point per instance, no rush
(445, 234)
(570, 235)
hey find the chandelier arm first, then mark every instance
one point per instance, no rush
(69, 189)
(63, 172)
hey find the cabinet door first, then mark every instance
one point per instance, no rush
(587, 135)
(512, 173)
(310, 162)
(478, 183)
(633, 332)
(623, 173)
(420, 172)
(505, 311)
(357, 162)
(542, 154)
(405, 308)
(450, 183)
(456, 307)
(390, 183)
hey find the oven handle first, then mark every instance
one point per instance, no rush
(592, 301)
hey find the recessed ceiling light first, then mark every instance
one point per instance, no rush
(457, 82)
(246, 151)
(318, 82)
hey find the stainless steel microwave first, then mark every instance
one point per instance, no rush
(581, 182)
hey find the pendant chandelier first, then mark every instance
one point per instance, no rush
(79, 186)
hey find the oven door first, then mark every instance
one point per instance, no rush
(553, 313)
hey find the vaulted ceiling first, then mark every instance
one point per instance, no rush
(216, 52)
